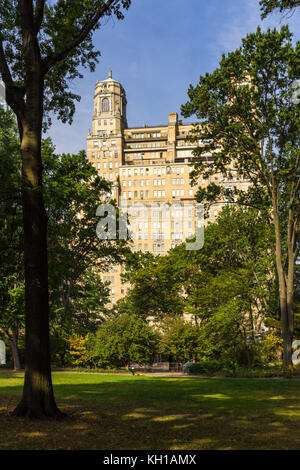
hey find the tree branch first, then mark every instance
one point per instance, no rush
(39, 15)
(52, 59)
(4, 69)
(14, 94)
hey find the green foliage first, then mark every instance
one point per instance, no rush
(64, 36)
(228, 287)
(72, 192)
(180, 339)
(243, 104)
(122, 340)
(250, 124)
(162, 276)
(203, 367)
(267, 6)
(229, 369)
(11, 235)
(268, 350)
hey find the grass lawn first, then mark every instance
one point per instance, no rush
(125, 412)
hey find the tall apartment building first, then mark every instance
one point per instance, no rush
(149, 169)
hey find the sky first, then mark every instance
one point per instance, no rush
(156, 52)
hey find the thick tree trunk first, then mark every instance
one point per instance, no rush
(38, 398)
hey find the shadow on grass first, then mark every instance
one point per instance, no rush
(114, 412)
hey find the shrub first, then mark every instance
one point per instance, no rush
(203, 367)
(227, 369)
(122, 340)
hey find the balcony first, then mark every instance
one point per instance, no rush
(128, 138)
(146, 162)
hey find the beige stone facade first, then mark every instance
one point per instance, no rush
(149, 170)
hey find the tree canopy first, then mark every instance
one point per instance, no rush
(61, 34)
(267, 6)
(122, 340)
(250, 126)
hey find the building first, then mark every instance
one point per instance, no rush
(149, 168)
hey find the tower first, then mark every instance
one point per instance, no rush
(105, 142)
(110, 102)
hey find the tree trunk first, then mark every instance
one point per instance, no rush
(38, 398)
(291, 257)
(14, 349)
(285, 304)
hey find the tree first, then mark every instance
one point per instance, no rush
(267, 6)
(229, 285)
(160, 275)
(78, 349)
(249, 122)
(42, 46)
(122, 340)
(236, 251)
(180, 339)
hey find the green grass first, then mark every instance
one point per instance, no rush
(125, 412)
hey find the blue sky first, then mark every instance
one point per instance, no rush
(156, 52)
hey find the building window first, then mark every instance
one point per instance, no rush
(105, 105)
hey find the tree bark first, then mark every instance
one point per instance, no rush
(38, 397)
(285, 295)
(13, 341)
